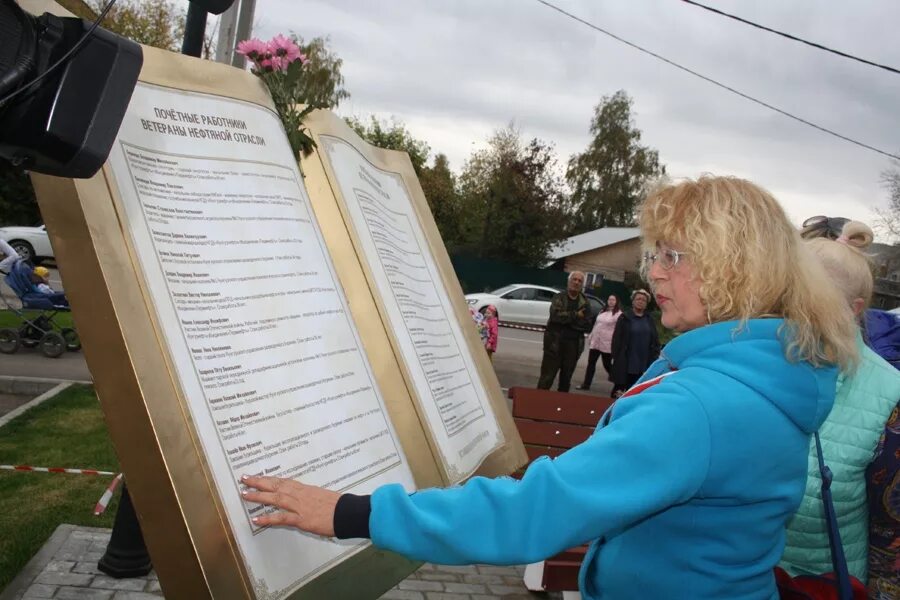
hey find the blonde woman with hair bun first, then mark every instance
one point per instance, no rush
(864, 402)
(686, 485)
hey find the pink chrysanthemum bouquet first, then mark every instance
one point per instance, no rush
(279, 63)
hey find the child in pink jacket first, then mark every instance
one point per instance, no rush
(490, 326)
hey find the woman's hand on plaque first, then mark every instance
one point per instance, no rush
(304, 507)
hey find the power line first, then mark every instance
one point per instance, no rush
(721, 85)
(793, 37)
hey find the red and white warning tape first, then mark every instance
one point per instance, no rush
(101, 505)
(512, 325)
(55, 470)
(107, 496)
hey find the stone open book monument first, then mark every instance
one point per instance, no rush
(243, 314)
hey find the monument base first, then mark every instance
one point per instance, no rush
(126, 554)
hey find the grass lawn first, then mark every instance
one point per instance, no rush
(9, 319)
(65, 431)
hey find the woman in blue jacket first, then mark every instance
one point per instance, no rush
(687, 483)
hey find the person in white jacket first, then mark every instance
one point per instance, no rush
(8, 257)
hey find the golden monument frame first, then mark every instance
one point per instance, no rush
(184, 523)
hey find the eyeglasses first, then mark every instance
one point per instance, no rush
(667, 258)
(821, 226)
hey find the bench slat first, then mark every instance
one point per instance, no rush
(535, 452)
(559, 435)
(560, 407)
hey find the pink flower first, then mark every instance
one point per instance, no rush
(285, 48)
(266, 65)
(252, 48)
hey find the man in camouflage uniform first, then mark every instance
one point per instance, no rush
(570, 319)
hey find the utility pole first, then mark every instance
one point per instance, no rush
(244, 29)
(227, 27)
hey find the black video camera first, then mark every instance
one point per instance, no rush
(65, 121)
(61, 119)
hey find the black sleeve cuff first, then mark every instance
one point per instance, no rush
(351, 516)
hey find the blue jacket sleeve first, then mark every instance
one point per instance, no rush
(654, 453)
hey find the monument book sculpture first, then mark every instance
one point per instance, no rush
(240, 315)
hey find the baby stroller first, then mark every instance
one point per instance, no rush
(40, 331)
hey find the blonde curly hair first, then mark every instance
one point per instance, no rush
(751, 263)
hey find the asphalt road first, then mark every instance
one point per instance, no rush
(517, 361)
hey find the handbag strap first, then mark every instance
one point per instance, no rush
(838, 560)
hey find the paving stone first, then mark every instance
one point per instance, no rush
(498, 579)
(494, 570)
(446, 596)
(93, 556)
(438, 576)
(459, 568)
(59, 566)
(421, 586)
(510, 580)
(75, 579)
(89, 568)
(153, 586)
(39, 590)
(111, 583)
(135, 596)
(80, 593)
(505, 590)
(396, 594)
(465, 588)
(484, 597)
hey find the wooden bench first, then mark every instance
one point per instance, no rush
(550, 423)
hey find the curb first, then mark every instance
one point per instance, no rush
(32, 403)
(17, 587)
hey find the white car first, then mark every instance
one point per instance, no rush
(517, 303)
(32, 243)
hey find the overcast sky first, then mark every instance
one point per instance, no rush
(455, 70)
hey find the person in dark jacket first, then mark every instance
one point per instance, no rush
(570, 320)
(635, 344)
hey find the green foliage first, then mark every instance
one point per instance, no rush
(158, 23)
(613, 173)
(287, 89)
(392, 135)
(17, 202)
(65, 431)
(513, 204)
(440, 188)
(323, 84)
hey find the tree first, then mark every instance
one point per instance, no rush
(440, 188)
(513, 200)
(392, 135)
(17, 202)
(889, 218)
(158, 23)
(325, 84)
(612, 174)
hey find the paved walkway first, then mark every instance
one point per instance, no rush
(66, 569)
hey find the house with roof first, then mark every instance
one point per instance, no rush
(609, 253)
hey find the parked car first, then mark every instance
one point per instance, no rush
(32, 243)
(524, 303)
(597, 306)
(517, 303)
